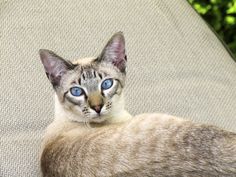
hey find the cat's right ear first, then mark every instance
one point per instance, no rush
(55, 66)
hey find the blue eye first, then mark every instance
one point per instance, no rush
(76, 91)
(106, 84)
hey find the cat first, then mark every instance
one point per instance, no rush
(93, 135)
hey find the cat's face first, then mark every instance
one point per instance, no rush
(92, 88)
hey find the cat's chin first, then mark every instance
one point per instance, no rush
(99, 118)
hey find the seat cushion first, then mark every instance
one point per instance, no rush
(176, 65)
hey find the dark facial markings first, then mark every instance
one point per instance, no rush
(100, 75)
(94, 73)
(64, 96)
(85, 110)
(83, 76)
(108, 105)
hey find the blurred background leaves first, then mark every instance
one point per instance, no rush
(221, 15)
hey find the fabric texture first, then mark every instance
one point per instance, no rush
(176, 65)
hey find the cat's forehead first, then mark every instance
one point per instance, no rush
(86, 68)
(89, 73)
(84, 61)
(85, 76)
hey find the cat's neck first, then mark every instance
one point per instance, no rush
(118, 115)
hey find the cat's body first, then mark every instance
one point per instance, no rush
(147, 145)
(93, 135)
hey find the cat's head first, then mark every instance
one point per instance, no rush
(89, 90)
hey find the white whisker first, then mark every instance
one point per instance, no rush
(87, 123)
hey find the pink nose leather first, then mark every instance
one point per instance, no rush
(97, 108)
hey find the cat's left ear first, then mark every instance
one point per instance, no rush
(114, 52)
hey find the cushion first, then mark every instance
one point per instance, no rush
(176, 65)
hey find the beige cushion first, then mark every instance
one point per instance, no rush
(176, 65)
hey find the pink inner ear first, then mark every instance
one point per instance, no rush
(117, 54)
(120, 64)
(116, 51)
(119, 49)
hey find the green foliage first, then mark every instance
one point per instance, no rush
(221, 15)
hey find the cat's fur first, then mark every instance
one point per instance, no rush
(83, 141)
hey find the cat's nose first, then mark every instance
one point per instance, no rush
(97, 108)
(95, 101)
